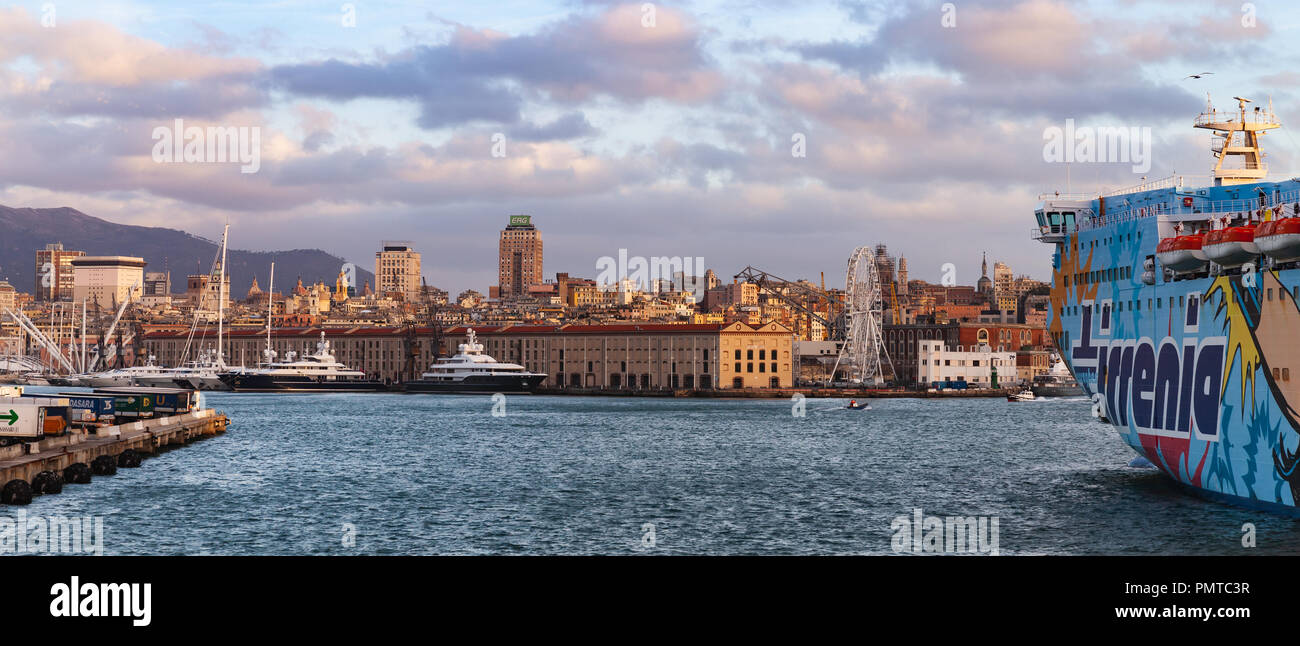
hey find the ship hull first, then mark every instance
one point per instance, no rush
(1057, 391)
(1199, 375)
(277, 383)
(475, 384)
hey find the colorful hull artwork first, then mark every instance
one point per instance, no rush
(1199, 374)
(1175, 306)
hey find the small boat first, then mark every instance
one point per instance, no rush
(854, 405)
(1022, 396)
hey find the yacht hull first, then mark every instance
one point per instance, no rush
(478, 384)
(290, 383)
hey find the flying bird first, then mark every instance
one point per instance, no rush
(1196, 76)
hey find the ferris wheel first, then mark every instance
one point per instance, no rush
(863, 346)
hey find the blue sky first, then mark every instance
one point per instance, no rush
(667, 140)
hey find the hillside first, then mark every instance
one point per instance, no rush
(23, 231)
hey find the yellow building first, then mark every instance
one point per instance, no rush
(643, 356)
(107, 281)
(397, 270)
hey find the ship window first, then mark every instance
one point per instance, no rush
(1269, 293)
(1277, 374)
(1286, 374)
(1295, 293)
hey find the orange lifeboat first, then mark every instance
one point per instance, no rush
(1279, 239)
(1182, 253)
(1231, 247)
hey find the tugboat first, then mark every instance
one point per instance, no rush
(315, 372)
(471, 371)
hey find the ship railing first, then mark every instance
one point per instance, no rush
(1164, 182)
(1068, 197)
(1226, 116)
(1207, 209)
(1050, 232)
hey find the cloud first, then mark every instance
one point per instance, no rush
(569, 126)
(486, 76)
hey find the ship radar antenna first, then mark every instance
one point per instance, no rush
(1250, 166)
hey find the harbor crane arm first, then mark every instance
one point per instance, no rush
(27, 326)
(767, 282)
(111, 328)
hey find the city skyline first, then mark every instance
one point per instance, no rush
(669, 140)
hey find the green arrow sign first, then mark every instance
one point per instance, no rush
(11, 417)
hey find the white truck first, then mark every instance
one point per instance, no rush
(29, 419)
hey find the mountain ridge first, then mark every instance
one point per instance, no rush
(24, 231)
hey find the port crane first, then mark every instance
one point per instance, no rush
(782, 289)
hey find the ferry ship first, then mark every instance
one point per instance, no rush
(319, 371)
(471, 371)
(1176, 308)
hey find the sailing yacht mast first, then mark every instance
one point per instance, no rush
(270, 306)
(221, 298)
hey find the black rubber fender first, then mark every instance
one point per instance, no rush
(47, 482)
(16, 492)
(129, 459)
(77, 473)
(104, 465)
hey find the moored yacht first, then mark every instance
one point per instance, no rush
(128, 376)
(471, 371)
(315, 372)
(204, 374)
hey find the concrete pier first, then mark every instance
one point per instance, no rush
(24, 461)
(782, 393)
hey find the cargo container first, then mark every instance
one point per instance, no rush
(131, 405)
(172, 401)
(23, 421)
(59, 408)
(100, 408)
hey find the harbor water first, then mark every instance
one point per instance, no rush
(415, 474)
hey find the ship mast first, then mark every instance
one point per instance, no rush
(1227, 144)
(221, 298)
(270, 310)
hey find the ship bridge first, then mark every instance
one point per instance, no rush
(1059, 215)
